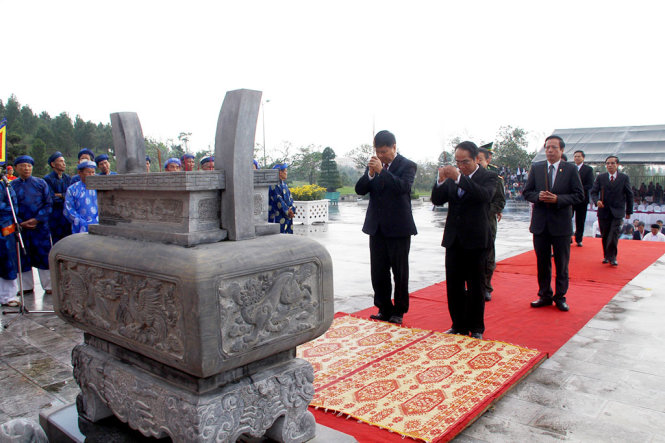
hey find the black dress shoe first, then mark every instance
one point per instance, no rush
(579, 244)
(380, 316)
(454, 331)
(488, 296)
(477, 335)
(397, 319)
(540, 303)
(562, 306)
(26, 292)
(605, 260)
(614, 263)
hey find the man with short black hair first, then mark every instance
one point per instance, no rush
(613, 195)
(655, 234)
(580, 209)
(468, 189)
(638, 233)
(553, 186)
(388, 180)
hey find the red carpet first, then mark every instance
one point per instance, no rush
(508, 316)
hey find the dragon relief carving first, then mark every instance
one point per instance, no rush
(258, 309)
(143, 309)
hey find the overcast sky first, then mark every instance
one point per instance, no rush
(334, 71)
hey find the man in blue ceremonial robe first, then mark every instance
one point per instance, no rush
(34, 208)
(104, 165)
(282, 210)
(8, 267)
(80, 202)
(58, 182)
(85, 154)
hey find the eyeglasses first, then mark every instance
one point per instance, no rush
(464, 162)
(610, 163)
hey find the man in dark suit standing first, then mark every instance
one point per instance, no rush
(613, 195)
(466, 237)
(553, 187)
(586, 175)
(389, 223)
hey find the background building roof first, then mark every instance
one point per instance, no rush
(632, 144)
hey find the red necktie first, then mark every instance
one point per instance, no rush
(611, 178)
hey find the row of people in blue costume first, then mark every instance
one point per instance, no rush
(47, 210)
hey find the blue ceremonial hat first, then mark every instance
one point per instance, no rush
(56, 155)
(187, 155)
(281, 166)
(101, 158)
(24, 159)
(208, 159)
(172, 160)
(86, 151)
(256, 164)
(86, 164)
(147, 158)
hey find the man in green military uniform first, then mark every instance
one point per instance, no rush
(496, 208)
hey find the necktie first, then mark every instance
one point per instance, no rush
(385, 166)
(611, 178)
(550, 176)
(460, 191)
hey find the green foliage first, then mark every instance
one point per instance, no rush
(510, 148)
(308, 192)
(41, 158)
(425, 176)
(329, 178)
(361, 155)
(306, 164)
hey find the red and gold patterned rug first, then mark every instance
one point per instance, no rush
(421, 384)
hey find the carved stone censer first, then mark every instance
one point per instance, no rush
(191, 308)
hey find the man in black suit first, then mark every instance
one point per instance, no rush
(638, 233)
(586, 175)
(613, 195)
(466, 237)
(553, 187)
(389, 223)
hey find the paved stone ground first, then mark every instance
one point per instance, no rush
(606, 384)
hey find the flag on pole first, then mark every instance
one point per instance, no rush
(3, 139)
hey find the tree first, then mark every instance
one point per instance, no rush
(361, 155)
(306, 163)
(63, 132)
(510, 148)
(425, 176)
(84, 134)
(184, 140)
(329, 174)
(40, 156)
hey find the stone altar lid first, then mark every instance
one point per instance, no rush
(181, 208)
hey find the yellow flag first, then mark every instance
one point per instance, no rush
(3, 138)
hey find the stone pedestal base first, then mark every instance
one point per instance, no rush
(272, 402)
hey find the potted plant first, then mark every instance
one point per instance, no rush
(310, 205)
